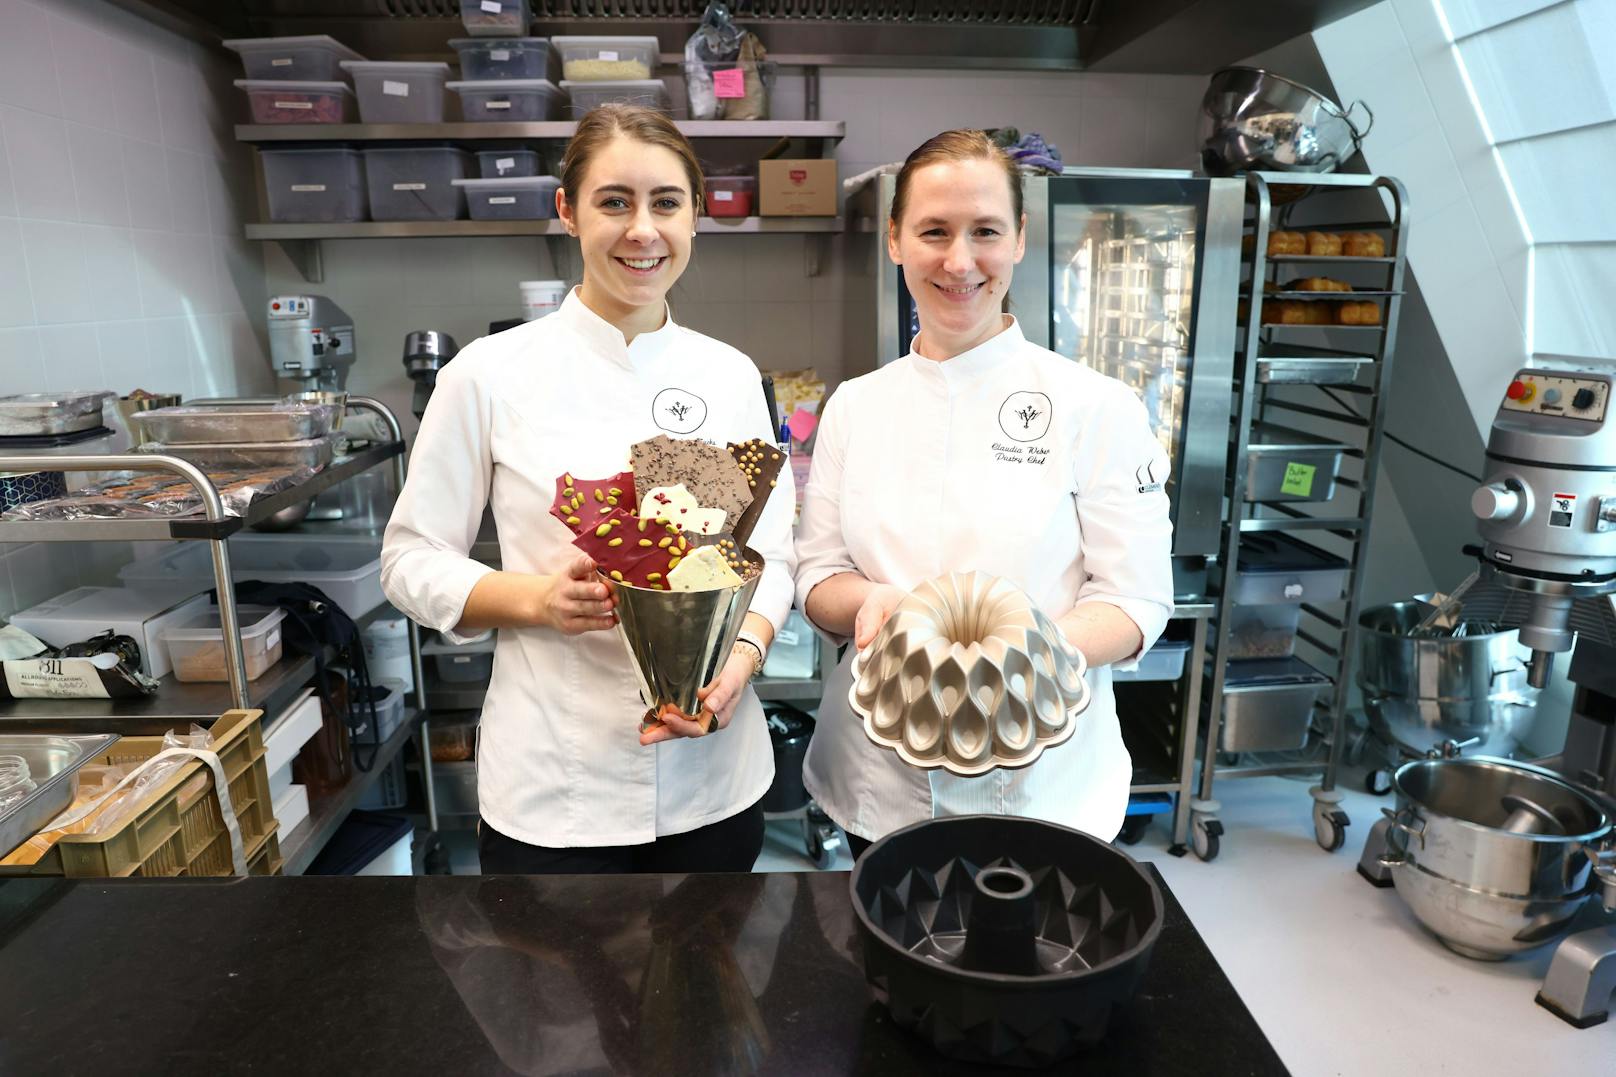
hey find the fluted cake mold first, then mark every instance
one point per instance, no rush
(969, 675)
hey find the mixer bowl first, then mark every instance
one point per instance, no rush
(1422, 692)
(1485, 884)
(1255, 120)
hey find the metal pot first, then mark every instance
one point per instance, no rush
(1421, 692)
(1494, 857)
(1255, 120)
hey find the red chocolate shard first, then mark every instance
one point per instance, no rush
(581, 503)
(631, 550)
(707, 471)
(760, 463)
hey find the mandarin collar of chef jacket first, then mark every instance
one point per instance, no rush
(606, 339)
(969, 367)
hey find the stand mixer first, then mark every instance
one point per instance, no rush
(311, 342)
(1547, 518)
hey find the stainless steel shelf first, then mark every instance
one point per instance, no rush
(1330, 259)
(434, 229)
(326, 813)
(194, 527)
(557, 130)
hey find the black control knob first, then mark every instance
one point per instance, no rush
(1584, 398)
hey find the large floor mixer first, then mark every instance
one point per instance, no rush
(1497, 857)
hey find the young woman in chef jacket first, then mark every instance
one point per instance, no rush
(980, 450)
(565, 782)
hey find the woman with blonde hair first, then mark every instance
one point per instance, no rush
(979, 451)
(565, 784)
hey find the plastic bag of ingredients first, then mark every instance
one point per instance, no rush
(155, 494)
(105, 796)
(104, 666)
(715, 55)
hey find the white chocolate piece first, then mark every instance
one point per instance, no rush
(677, 505)
(703, 569)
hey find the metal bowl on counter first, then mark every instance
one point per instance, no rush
(1002, 940)
(1495, 857)
(1255, 120)
(1423, 691)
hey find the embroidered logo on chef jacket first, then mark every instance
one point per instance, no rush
(1025, 416)
(1149, 476)
(678, 411)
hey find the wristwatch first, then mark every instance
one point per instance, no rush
(752, 640)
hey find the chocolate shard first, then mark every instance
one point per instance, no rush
(760, 463)
(707, 471)
(631, 550)
(583, 503)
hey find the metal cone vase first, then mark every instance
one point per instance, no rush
(677, 641)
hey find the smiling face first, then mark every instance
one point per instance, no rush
(633, 217)
(958, 242)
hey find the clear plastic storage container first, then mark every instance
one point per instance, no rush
(508, 164)
(494, 18)
(415, 183)
(731, 90)
(311, 58)
(508, 100)
(1163, 662)
(200, 424)
(197, 647)
(1279, 568)
(349, 571)
(276, 102)
(398, 92)
(607, 59)
(313, 184)
(648, 93)
(313, 453)
(523, 198)
(1264, 631)
(506, 58)
(731, 196)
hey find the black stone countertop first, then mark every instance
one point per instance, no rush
(713, 974)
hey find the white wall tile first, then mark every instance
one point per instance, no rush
(109, 272)
(54, 251)
(126, 358)
(171, 345)
(16, 299)
(8, 194)
(20, 360)
(27, 72)
(98, 176)
(134, 82)
(780, 335)
(775, 268)
(41, 167)
(1427, 169)
(181, 104)
(229, 183)
(161, 269)
(187, 191)
(146, 176)
(72, 356)
(83, 58)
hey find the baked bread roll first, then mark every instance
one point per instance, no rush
(1324, 244)
(1363, 245)
(1358, 313)
(1297, 312)
(1287, 243)
(1317, 284)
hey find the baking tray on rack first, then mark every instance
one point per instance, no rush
(52, 762)
(237, 423)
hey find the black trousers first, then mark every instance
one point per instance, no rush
(856, 845)
(731, 844)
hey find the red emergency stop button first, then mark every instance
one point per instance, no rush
(1516, 390)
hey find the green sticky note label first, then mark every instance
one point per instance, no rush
(1298, 480)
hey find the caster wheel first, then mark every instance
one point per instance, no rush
(1330, 829)
(1133, 829)
(820, 842)
(1378, 782)
(1204, 835)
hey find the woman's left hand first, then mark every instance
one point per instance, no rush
(718, 701)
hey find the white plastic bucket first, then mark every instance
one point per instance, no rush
(387, 651)
(541, 297)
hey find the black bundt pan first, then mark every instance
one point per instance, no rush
(1003, 940)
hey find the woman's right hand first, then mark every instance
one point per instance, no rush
(873, 613)
(574, 601)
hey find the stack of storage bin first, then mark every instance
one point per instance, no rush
(601, 70)
(506, 80)
(301, 80)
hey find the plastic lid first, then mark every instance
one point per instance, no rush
(397, 67)
(255, 621)
(503, 85)
(1250, 672)
(1281, 553)
(495, 43)
(306, 41)
(618, 84)
(585, 41)
(510, 183)
(293, 86)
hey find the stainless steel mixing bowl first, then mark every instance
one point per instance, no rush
(1255, 120)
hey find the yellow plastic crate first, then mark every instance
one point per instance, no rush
(180, 830)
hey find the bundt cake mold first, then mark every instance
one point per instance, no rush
(967, 674)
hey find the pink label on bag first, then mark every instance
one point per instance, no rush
(729, 83)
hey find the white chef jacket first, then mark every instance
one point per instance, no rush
(559, 761)
(1009, 459)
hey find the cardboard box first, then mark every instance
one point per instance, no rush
(801, 188)
(142, 615)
